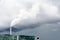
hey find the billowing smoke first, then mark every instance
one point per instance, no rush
(7, 10)
(40, 13)
(2, 2)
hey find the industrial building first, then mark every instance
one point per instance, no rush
(18, 37)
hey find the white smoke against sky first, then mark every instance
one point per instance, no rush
(7, 12)
(41, 12)
(10, 8)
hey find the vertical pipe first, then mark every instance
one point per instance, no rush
(17, 37)
(10, 30)
(35, 38)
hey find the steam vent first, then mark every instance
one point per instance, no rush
(18, 37)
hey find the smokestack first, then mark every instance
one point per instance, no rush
(10, 30)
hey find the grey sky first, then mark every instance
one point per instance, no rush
(41, 20)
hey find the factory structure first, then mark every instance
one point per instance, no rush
(18, 37)
(11, 36)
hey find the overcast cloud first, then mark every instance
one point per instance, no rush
(37, 13)
(31, 17)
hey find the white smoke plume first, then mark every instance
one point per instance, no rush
(7, 10)
(40, 13)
